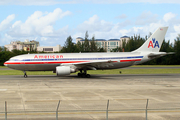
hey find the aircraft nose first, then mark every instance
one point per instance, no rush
(5, 64)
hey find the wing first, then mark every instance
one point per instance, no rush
(91, 65)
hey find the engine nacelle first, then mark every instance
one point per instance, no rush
(64, 70)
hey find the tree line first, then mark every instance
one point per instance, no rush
(90, 45)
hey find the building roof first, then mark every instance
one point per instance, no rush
(100, 40)
(79, 38)
(95, 40)
(107, 40)
(113, 40)
(125, 37)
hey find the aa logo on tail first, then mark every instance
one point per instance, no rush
(153, 43)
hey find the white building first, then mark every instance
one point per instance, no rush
(108, 45)
(78, 39)
(26, 45)
(125, 39)
(112, 44)
(49, 48)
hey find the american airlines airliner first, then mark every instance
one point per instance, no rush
(67, 63)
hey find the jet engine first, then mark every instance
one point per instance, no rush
(64, 70)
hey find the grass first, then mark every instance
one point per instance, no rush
(17, 72)
(136, 71)
(155, 66)
(3, 67)
(113, 71)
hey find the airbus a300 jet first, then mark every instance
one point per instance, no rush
(67, 63)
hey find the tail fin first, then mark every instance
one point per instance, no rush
(154, 42)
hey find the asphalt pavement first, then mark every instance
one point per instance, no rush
(37, 97)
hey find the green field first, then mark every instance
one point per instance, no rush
(114, 71)
(155, 66)
(3, 67)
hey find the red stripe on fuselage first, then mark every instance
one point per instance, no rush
(130, 60)
(44, 62)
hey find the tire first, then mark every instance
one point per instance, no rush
(83, 76)
(88, 75)
(25, 76)
(79, 74)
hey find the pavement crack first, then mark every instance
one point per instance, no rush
(22, 100)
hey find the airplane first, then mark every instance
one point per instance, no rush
(67, 63)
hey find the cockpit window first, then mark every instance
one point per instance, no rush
(12, 59)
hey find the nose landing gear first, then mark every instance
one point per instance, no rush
(25, 75)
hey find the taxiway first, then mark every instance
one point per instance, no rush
(36, 97)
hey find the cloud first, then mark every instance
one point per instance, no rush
(38, 26)
(6, 22)
(146, 18)
(122, 16)
(107, 30)
(145, 23)
(101, 28)
(168, 16)
(124, 32)
(54, 2)
(94, 24)
(6, 38)
(177, 28)
(131, 1)
(41, 2)
(33, 2)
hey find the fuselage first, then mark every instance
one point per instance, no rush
(49, 62)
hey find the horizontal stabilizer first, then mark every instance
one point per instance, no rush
(159, 54)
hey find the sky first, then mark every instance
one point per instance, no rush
(51, 21)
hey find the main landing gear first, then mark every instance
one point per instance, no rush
(83, 75)
(25, 75)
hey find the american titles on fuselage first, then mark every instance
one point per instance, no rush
(47, 56)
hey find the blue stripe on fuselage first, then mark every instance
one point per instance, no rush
(78, 59)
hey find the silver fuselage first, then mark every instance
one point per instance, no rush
(49, 62)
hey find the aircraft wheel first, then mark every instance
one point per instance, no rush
(83, 75)
(25, 76)
(88, 75)
(79, 74)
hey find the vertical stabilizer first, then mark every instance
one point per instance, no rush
(153, 44)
